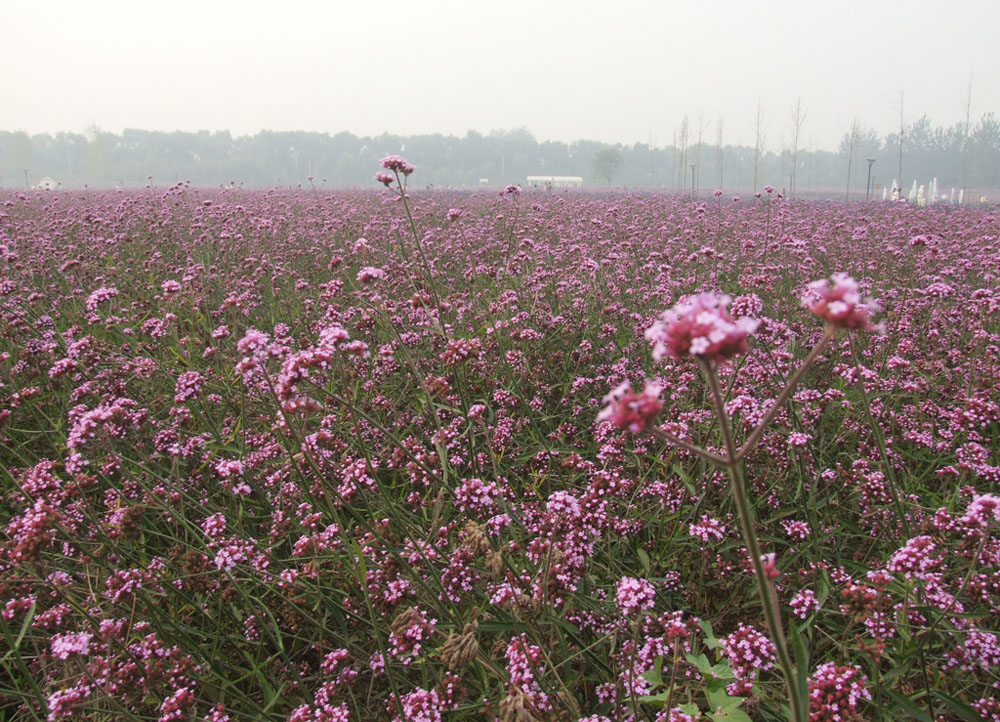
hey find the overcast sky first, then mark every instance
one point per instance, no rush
(616, 71)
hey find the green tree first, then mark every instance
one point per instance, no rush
(607, 162)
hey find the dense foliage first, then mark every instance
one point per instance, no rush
(956, 155)
(299, 455)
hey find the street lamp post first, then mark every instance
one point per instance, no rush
(693, 166)
(868, 185)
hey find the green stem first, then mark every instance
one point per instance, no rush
(696, 450)
(768, 600)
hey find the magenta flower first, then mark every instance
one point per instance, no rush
(370, 273)
(397, 164)
(629, 410)
(70, 643)
(835, 692)
(838, 302)
(634, 595)
(385, 179)
(701, 326)
(984, 509)
(99, 296)
(770, 562)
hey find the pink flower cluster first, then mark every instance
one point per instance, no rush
(700, 326)
(626, 409)
(99, 296)
(836, 692)
(634, 596)
(396, 164)
(65, 645)
(749, 652)
(838, 302)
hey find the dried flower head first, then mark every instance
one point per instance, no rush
(459, 650)
(516, 707)
(475, 538)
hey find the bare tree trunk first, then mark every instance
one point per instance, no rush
(652, 166)
(682, 165)
(673, 155)
(900, 176)
(718, 152)
(967, 107)
(852, 145)
(696, 172)
(798, 117)
(759, 144)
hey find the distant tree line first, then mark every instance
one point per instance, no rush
(101, 159)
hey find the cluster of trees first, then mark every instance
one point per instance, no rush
(963, 155)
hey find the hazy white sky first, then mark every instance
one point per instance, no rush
(616, 71)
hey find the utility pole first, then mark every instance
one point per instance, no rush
(868, 185)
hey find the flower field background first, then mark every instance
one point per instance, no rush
(310, 456)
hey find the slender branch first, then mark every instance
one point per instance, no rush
(786, 392)
(697, 450)
(720, 411)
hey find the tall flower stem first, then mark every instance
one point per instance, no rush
(765, 589)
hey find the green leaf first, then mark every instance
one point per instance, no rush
(643, 559)
(801, 670)
(28, 618)
(710, 641)
(655, 675)
(718, 699)
(685, 479)
(690, 709)
(958, 707)
(730, 715)
(657, 699)
(898, 671)
(911, 710)
(702, 663)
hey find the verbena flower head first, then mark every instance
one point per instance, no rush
(629, 410)
(385, 179)
(634, 595)
(700, 326)
(984, 509)
(838, 301)
(836, 692)
(397, 164)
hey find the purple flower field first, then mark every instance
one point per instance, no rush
(391, 455)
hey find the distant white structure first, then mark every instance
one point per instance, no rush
(46, 184)
(484, 181)
(554, 181)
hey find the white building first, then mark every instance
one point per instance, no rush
(554, 181)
